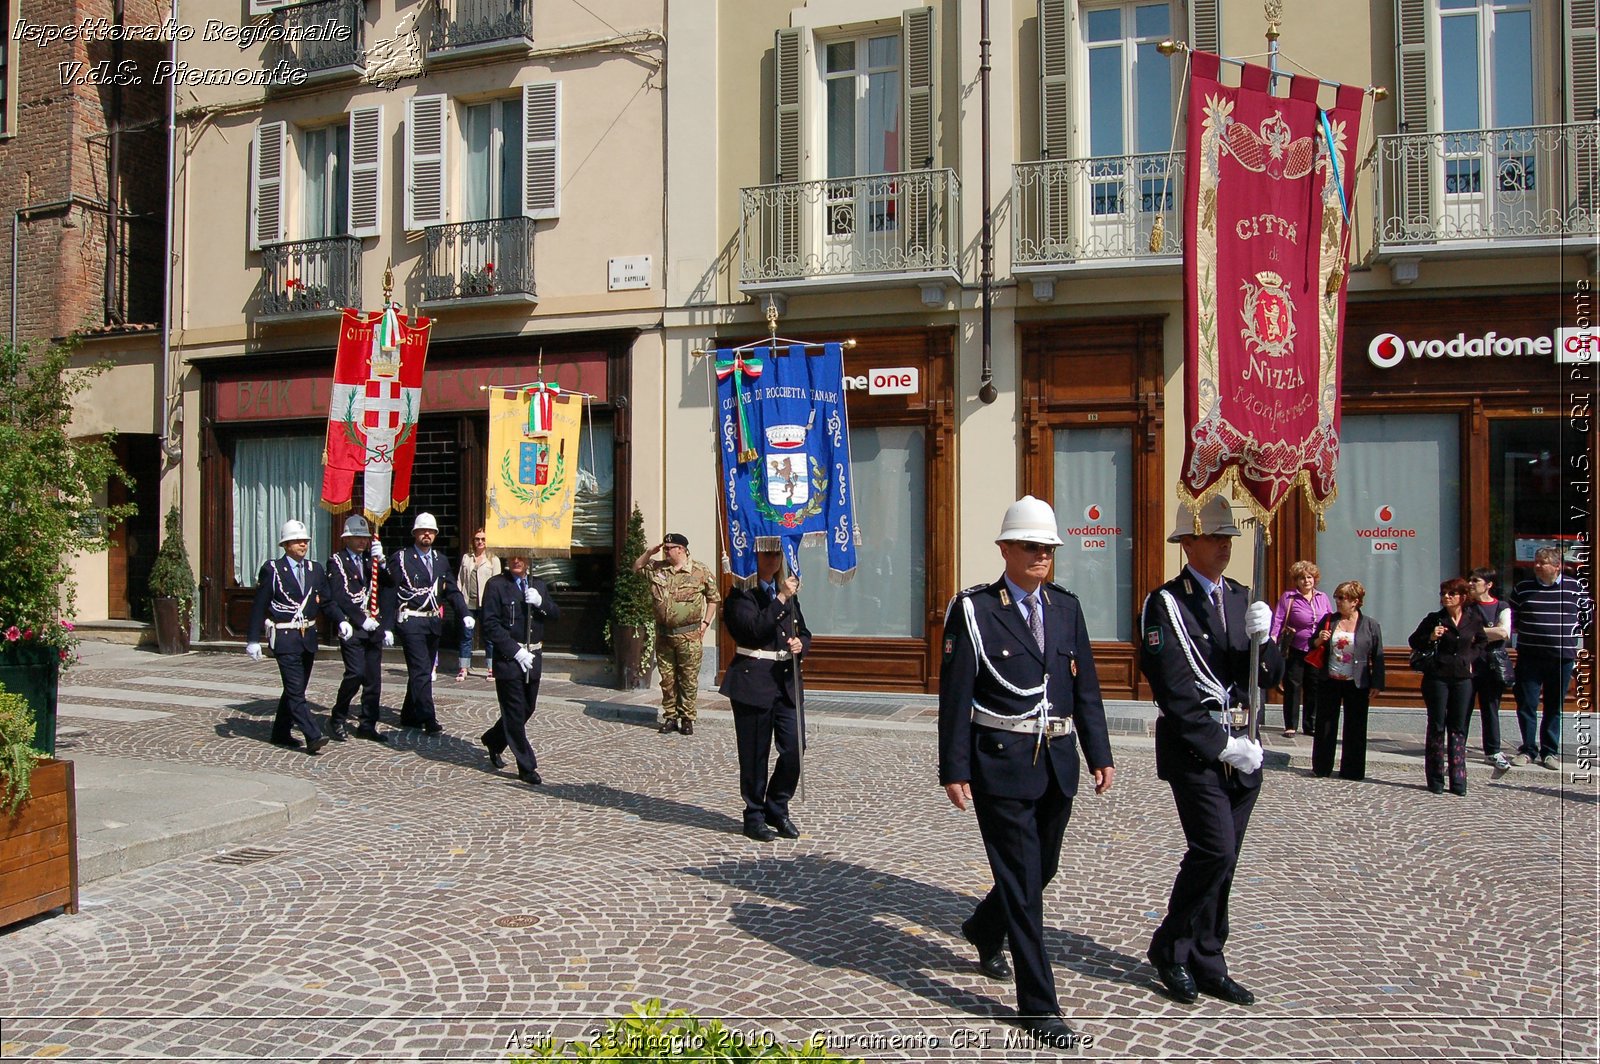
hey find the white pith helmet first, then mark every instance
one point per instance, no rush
(356, 527)
(1216, 519)
(292, 531)
(424, 521)
(1030, 520)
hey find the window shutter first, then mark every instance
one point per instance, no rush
(787, 54)
(541, 150)
(1583, 97)
(1415, 208)
(916, 26)
(266, 184)
(1055, 97)
(425, 173)
(1205, 26)
(366, 171)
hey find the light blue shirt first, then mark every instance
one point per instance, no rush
(1208, 586)
(1022, 599)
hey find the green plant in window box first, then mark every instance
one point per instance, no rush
(478, 282)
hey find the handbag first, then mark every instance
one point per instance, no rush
(1500, 666)
(1317, 656)
(1423, 660)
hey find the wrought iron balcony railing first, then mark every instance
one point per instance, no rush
(1528, 184)
(851, 226)
(322, 35)
(474, 260)
(461, 24)
(306, 276)
(1095, 210)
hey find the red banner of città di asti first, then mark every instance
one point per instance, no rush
(373, 410)
(1264, 271)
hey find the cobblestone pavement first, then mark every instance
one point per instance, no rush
(433, 910)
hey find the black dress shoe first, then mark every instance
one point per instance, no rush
(495, 759)
(1226, 989)
(992, 964)
(371, 734)
(1179, 983)
(314, 745)
(1051, 1031)
(532, 779)
(760, 832)
(433, 728)
(336, 732)
(784, 826)
(668, 726)
(686, 727)
(290, 743)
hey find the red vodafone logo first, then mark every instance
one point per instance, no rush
(1386, 350)
(1095, 534)
(1383, 514)
(1092, 512)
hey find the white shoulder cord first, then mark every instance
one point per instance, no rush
(1041, 709)
(1203, 676)
(288, 599)
(405, 581)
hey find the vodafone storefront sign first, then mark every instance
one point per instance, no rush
(1388, 349)
(1094, 534)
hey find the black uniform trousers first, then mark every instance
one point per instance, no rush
(419, 638)
(1023, 840)
(363, 671)
(518, 693)
(756, 729)
(295, 656)
(1214, 809)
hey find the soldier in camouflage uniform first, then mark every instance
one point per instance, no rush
(685, 597)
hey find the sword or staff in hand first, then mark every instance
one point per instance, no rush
(791, 588)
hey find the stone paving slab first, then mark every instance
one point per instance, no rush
(1375, 920)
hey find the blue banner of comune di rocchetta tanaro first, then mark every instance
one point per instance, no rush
(784, 441)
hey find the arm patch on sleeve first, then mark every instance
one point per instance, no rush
(1152, 638)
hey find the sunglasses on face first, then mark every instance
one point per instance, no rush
(1034, 548)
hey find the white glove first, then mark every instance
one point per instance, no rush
(388, 638)
(468, 623)
(1242, 753)
(377, 551)
(525, 659)
(254, 650)
(370, 624)
(532, 596)
(346, 632)
(1258, 621)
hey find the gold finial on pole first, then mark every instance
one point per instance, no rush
(1274, 10)
(1380, 93)
(772, 318)
(388, 280)
(1168, 46)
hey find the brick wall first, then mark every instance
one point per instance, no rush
(59, 150)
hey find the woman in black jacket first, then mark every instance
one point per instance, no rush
(1448, 642)
(1352, 668)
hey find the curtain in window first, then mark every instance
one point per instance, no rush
(1397, 525)
(1094, 513)
(888, 597)
(275, 480)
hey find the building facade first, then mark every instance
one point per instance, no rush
(842, 182)
(82, 184)
(502, 160)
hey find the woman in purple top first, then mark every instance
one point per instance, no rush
(1296, 617)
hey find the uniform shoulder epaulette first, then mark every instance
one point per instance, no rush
(1053, 586)
(1232, 584)
(971, 590)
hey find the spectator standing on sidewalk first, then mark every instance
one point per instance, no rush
(477, 566)
(1299, 610)
(1493, 673)
(1447, 644)
(684, 595)
(1550, 615)
(1350, 670)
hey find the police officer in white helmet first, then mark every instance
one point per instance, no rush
(362, 586)
(291, 593)
(1197, 630)
(424, 580)
(1017, 695)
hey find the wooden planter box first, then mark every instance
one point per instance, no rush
(39, 848)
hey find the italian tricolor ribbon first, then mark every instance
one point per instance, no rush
(734, 364)
(541, 398)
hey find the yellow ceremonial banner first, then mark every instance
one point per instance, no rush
(533, 471)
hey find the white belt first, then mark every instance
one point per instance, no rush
(1236, 717)
(1050, 726)
(406, 615)
(298, 625)
(764, 655)
(531, 647)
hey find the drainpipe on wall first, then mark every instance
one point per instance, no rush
(113, 310)
(173, 451)
(986, 388)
